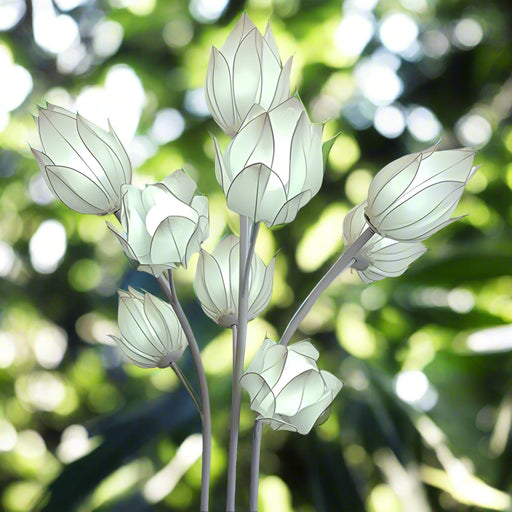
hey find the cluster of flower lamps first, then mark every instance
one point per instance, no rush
(272, 167)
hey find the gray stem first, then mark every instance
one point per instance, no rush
(343, 262)
(238, 363)
(255, 465)
(187, 386)
(170, 292)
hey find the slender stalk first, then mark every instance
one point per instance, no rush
(344, 261)
(255, 465)
(252, 247)
(170, 292)
(187, 386)
(238, 363)
(233, 329)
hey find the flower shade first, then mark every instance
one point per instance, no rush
(216, 282)
(151, 335)
(274, 165)
(380, 257)
(82, 164)
(287, 389)
(415, 196)
(247, 70)
(164, 224)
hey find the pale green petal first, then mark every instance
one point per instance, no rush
(77, 191)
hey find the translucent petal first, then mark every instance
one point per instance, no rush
(354, 224)
(247, 73)
(77, 191)
(98, 142)
(210, 284)
(61, 142)
(169, 241)
(289, 210)
(157, 320)
(181, 185)
(271, 43)
(242, 27)
(135, 329)
(282, 88)
(387, 187)
(256, 192)
(122, 155)
(418, 207)
(219, 92)
(450, 165)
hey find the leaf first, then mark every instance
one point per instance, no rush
(327, 146)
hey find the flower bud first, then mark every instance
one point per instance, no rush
(164, 224)
(287, 389)
(274, 165)
(216, 282)
(380, 257)
(83, 165)
(413, 197)
(151, 335)
(246, 70)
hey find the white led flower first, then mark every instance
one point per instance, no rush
(413, 197)
(274, 165)
(246, 70)
(381, 257)
(216, 282)
(164, 224)
(82, 164)
(151, 335)
(287, 389)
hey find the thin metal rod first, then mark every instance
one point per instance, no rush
(233, 328)
(187, 386)
(344, 261)
(252, 247)
(238, 364)
(170, 292)
(255, 466)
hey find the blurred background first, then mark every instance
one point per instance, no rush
(424, 421)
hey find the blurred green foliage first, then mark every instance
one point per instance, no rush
(424, 420)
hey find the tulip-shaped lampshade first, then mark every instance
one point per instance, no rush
(164, 224)
(274, 165)
(151, 335)
(413, 197)
(83, 165)
(381, 257)
(287, 389)
(216, 282)
(246, 70)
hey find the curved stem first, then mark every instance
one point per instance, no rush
(187, 386)
(170, 292)
(255, 465)
(238, 363)
(344, 261)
